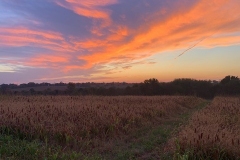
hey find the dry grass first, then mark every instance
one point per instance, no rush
(213, 132)
(70, 119)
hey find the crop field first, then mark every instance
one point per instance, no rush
(119, 127)
(66, 117)
(213, 132)
(72, 121)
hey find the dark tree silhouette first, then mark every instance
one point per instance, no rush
(227, 79)
(229, 85)
(150, 87)
(71, 88)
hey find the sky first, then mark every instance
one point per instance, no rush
(118, 40)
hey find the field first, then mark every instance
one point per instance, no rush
(120, 127)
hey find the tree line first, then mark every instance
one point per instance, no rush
(230, 85)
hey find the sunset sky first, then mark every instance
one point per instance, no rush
(118, 40)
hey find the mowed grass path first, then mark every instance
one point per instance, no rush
(149, 143)
(142, 141)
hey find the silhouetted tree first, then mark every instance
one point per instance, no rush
(230, 85)
(71, 88)
(150, 87)
(227, 79)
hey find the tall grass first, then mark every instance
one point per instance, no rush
(212, 133)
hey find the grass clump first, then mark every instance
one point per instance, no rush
(202, 152)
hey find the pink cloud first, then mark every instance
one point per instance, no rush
(88, 8)
(23, 37)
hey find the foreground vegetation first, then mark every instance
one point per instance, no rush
(123, 127)
(85, 124)
(14, 147)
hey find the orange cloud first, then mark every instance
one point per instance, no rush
(25, 31)
(204, 21)
(72, 67)
(91, 13)
(49, 58)
(90, 44)
(42, 61)
(118, 34)
(23, 37)
(52, 60)
(88, 8)
(224, 40)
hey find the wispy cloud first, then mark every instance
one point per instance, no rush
(21, 36)
(88, 8)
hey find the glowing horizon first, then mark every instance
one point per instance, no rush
(118, 40)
